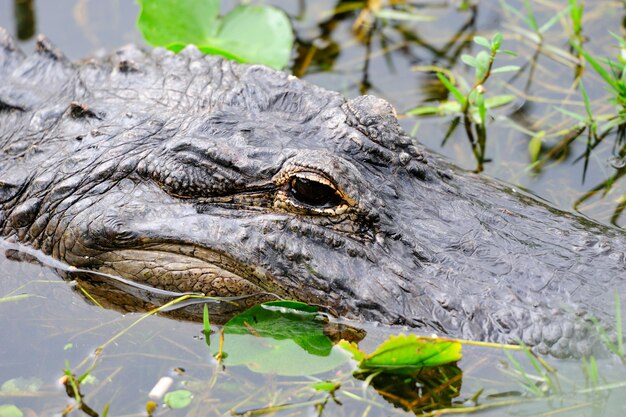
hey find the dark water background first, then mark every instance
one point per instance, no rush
(54, 323)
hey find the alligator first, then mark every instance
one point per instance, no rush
(192, 173)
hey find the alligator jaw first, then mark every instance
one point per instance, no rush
(182, 268)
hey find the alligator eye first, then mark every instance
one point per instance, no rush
(313, 193)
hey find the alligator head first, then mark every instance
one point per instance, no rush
(192, 173)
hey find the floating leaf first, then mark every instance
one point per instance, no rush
(9, 410)
(22, 384)
(253, 34)
(164, 22)
(178, 399)
(280, 337)
(357, 354)
(261, 34)
(406, 354)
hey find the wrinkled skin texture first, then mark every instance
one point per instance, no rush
(191, 173)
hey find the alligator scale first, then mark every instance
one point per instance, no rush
(190, 173)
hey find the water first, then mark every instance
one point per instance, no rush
(47, 321)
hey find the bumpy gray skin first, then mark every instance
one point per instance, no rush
(178, 171)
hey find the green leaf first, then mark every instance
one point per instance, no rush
(452, 88)
(178, 399)
(469, 60)
(573, 115)
(506, 68)
(206, 325)
(534, 146)
(482, 41)
(260, 34)
(586, 100)
(608, 78)
(405, 354)
(18, 297)
(423, 111)
(326, 386)
(512, 10)
(88, 379)
(497, 101)
(619, 39)
(449, 107)
(496, 41)
(352, 348)
(392, 14)
(553, 20)
(22, 384)
(280, 337)
(163, 22)
(530, 20)
(482, 63)
(253, 34)
(9, 410)
(482, 109)
(219, 47)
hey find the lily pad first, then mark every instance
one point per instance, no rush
(9, 410)
(22, 384)
(248, 33)
(164, 22)
(178, 399)
(281, 337)
(260, 34)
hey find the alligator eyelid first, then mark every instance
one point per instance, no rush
(314, 176)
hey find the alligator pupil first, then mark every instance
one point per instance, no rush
(314, 193)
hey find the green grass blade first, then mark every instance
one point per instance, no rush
(206, 325)
(529, 383)
(602, 72)
(530, 19)
(586, 100)
(452, 88)
(619, 39)
(17, 297)
(512, 10)
(423, 111)
(553, 20)
(571, 114)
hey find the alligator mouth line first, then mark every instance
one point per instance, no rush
(185, 269)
